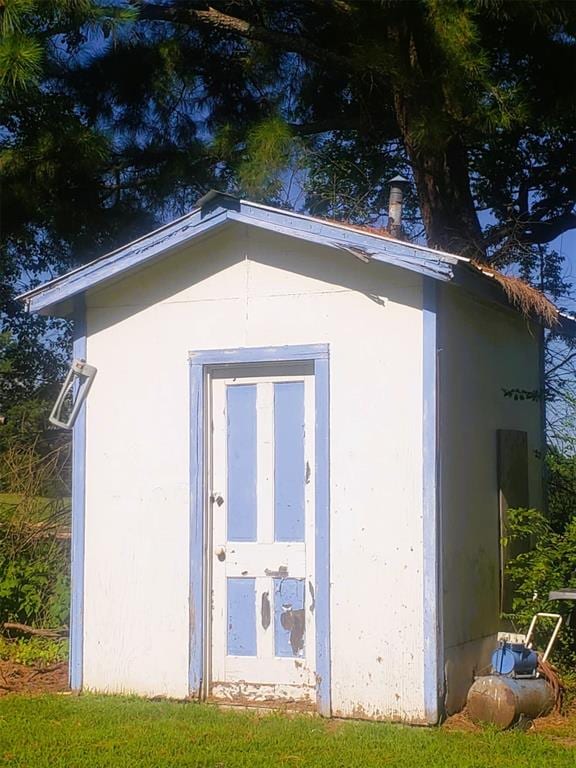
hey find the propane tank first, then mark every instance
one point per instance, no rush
(503, 700)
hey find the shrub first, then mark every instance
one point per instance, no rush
(549, 565)
(34, 651)
(34, 538)
(34, 581)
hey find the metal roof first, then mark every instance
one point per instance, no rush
(216, 210)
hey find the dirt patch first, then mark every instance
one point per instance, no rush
(333, 725)
(552, 722)
(460, 722)
(17, 678)
(560, 728)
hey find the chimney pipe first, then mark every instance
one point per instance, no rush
(397, 187)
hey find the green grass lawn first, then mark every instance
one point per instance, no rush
(95, 731)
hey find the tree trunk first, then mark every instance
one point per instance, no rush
(439, 160)
(443, 188)
(446, 204)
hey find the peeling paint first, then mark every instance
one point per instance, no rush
(277, 696)
(282, 572)
(312, 596)
(295, 622)
(265, 610)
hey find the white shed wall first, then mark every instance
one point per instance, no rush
(245, 288)
(483, 349)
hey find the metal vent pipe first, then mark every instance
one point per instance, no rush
(397, 187)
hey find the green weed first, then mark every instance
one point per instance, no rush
(34, 651)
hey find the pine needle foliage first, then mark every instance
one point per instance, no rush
(269, 149)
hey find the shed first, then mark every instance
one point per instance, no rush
(291, 470)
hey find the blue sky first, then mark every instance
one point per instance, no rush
(566, 246)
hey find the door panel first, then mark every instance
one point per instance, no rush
(241, 461)
(289, 461)
(241, 611)
(289, 618)
(262, 545)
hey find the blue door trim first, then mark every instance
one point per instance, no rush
(76, 661)
(433, 651)
(200, 365)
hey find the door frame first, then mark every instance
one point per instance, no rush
(202, 363)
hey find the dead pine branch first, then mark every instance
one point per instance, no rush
(38, 632)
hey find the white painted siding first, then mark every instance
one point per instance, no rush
(483, 350)
(248, 288)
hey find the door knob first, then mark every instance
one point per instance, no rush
(217, 498)
(220, 553)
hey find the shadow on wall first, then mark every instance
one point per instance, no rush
(201, 261)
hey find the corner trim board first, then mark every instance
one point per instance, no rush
(430, 509)
(322, 543)
(543, 414)
(77, 549)
(197, 524)
(200, 364)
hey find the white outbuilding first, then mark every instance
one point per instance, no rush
(293, 464)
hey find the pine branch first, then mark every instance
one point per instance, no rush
(529, 232)
(541, 232)
(205, 14)
(28, 630)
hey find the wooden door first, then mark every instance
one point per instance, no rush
(262, 544)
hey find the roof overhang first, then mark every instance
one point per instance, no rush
(214, 211)
(217, 210)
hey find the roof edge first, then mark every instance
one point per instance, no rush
(216, 208)
(212, 210)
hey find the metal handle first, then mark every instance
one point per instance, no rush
(535, 618)
(77, 383)
(220, 553)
